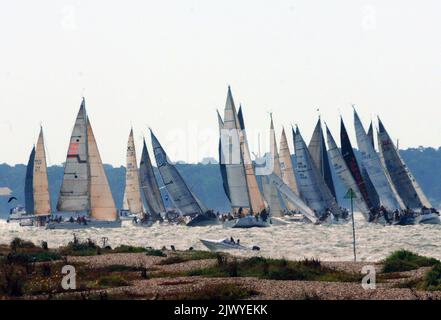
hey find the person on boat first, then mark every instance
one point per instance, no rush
(71, 220)
(264, 215)
(238, 242)
(240, 212)
(232, 240)
(396, 215)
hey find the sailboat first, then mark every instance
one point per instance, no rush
(184, 200)
(372, 163)
(288, 175)
(270, 192)
(237, 171)
(319, 155)
(405, 183)
(150, 188)
(312, 186)
(85, 189)
(37, 197)
(342, 171)
(359, 174)
(133, 204)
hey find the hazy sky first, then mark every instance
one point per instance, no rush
(167, 64)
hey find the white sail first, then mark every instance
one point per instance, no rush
(232, 158)
(74, 192)
(317, 150)
(372, 163)
(405, 184)
(273, 198)
(178, 190)
(42, 200)
(293, 198)
(389, 179)
(102, 204)
(274, 153)
(343, 172)
(312, 187)
(286, 167)
(257, 202)
(271, 194)
(132, 191)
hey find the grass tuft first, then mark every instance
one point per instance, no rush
(276, 269)
(403, 260)
(226, 292)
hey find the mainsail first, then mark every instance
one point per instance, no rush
(343, 172)
(256, 199)
(374, 168)
(85, 186)
(370, 196)
(149, 185)
(271, 195)
(102, 205)
(312, 187)
(405, 184)
(317, 149)
(270, 191)
(132, 191)
(74, 193)
(371, 135)
(42, 200)
(181, 195)
(286, 167)
(29, 184)
(222, 165)
(232, 158)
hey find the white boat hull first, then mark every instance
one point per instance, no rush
(66, 225)
(276, 221)
(216, 245)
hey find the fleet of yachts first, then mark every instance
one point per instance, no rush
(275, 190)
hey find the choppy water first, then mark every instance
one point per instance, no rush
(293, 241)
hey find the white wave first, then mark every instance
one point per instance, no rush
(293, 241)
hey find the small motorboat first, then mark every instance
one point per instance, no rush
(19, 213)
(226, 244)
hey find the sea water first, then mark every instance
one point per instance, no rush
(292, 241)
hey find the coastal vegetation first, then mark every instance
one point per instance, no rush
(275, 269)
(404, 260)
(29, 270)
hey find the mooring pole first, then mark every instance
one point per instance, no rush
(353, 224)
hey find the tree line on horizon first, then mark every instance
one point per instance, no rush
(206, 182)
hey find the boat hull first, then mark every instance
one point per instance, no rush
(247, 223)
(430, 218)
(276, 221)
(203, 220)
(406, 221)
(220, 245)
(65, 225)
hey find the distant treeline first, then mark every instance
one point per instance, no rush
(205, 180)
